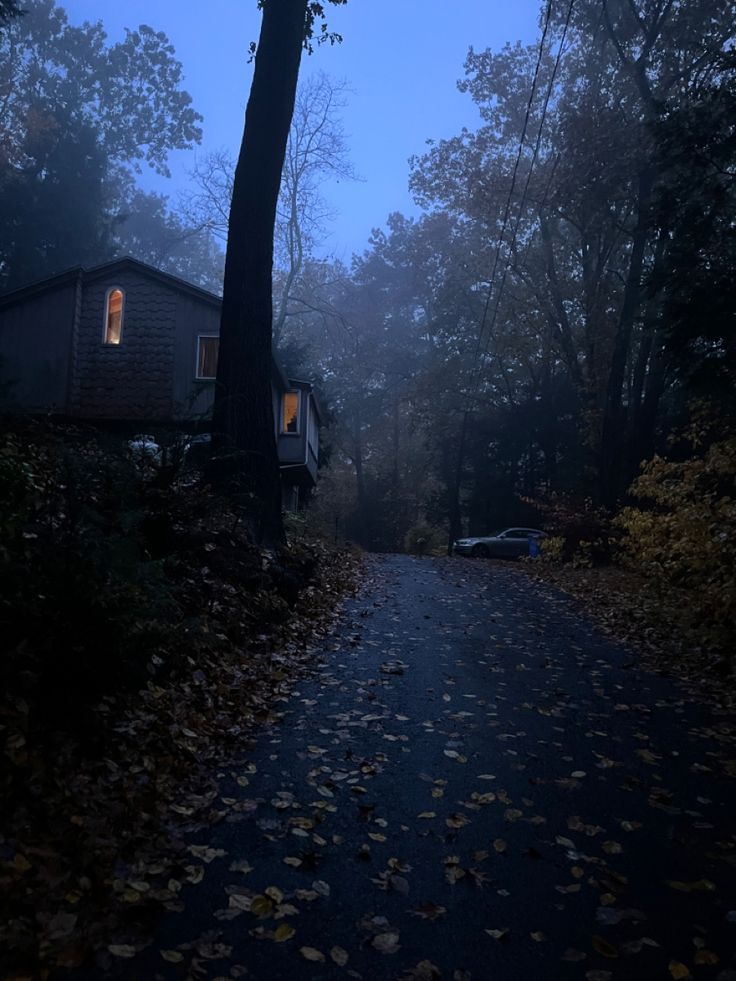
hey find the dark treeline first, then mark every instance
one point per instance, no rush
(546, 322)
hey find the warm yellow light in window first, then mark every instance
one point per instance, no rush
(290, 413)
(114, 321)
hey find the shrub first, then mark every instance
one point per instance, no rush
(685, 535)
(83, 602)
(425, 540)
(579, 532)
(551, 549)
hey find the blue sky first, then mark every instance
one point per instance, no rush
(401, 58)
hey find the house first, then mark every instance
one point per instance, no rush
(125, 343)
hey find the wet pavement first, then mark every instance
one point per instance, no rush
(475, 784)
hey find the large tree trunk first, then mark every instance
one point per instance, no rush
(243, 414)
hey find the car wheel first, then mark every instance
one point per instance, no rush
(480, 552)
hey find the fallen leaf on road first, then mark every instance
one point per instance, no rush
(312, 954)
(339, 956)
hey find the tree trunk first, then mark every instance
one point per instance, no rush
(611, 448)
(243, 414)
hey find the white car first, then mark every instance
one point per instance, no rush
(507, 544)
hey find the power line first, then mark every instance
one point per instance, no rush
(522, 140)
(535, 154)
(479, 361)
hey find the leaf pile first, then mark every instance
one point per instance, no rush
(145, 636)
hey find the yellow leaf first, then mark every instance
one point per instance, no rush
(339, 956)
(122, 950)
(679, 971)
(426, 815)
(284, 932)
(387, 943)
(261, 906)
(312, 954)
(706, 957)
(172, 956)
(500, 845)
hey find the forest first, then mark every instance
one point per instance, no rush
(548, 338)
(559, 310)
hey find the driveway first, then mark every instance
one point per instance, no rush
(475, 784)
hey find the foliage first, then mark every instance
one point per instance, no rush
(142, 633)
(80, 117)
(425, 540)
(684, 533)
(552, 549)
(580, 532)
(8, 10)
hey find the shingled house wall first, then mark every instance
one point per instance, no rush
(133, 379)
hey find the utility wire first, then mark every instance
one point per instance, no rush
(507, 211)
(520, 213)
(535, 155)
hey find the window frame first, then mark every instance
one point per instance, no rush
(106, 317)
(200, 338)
(283, 431)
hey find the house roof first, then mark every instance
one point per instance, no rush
(107, 269)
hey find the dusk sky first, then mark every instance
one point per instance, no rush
(402, 61)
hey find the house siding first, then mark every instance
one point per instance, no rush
(133, 379)
(35, 349)
(52, 350)
(193, 398)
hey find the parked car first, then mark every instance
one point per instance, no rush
(507, 544)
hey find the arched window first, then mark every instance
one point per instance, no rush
(114, 315)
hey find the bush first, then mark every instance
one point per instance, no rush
(83, 602)
(686, 533)
(425, 540)
(551, 550)
(579, 532)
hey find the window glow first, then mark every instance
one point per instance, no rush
(290, 413)
(114, 317)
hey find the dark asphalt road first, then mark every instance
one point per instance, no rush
(476, 780)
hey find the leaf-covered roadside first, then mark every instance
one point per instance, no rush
(144, 637)
(661, 574)
(657, 621)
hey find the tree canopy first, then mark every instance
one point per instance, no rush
(80, 118)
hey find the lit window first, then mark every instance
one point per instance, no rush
(207, 350)
(114, 316)
(290, 413)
